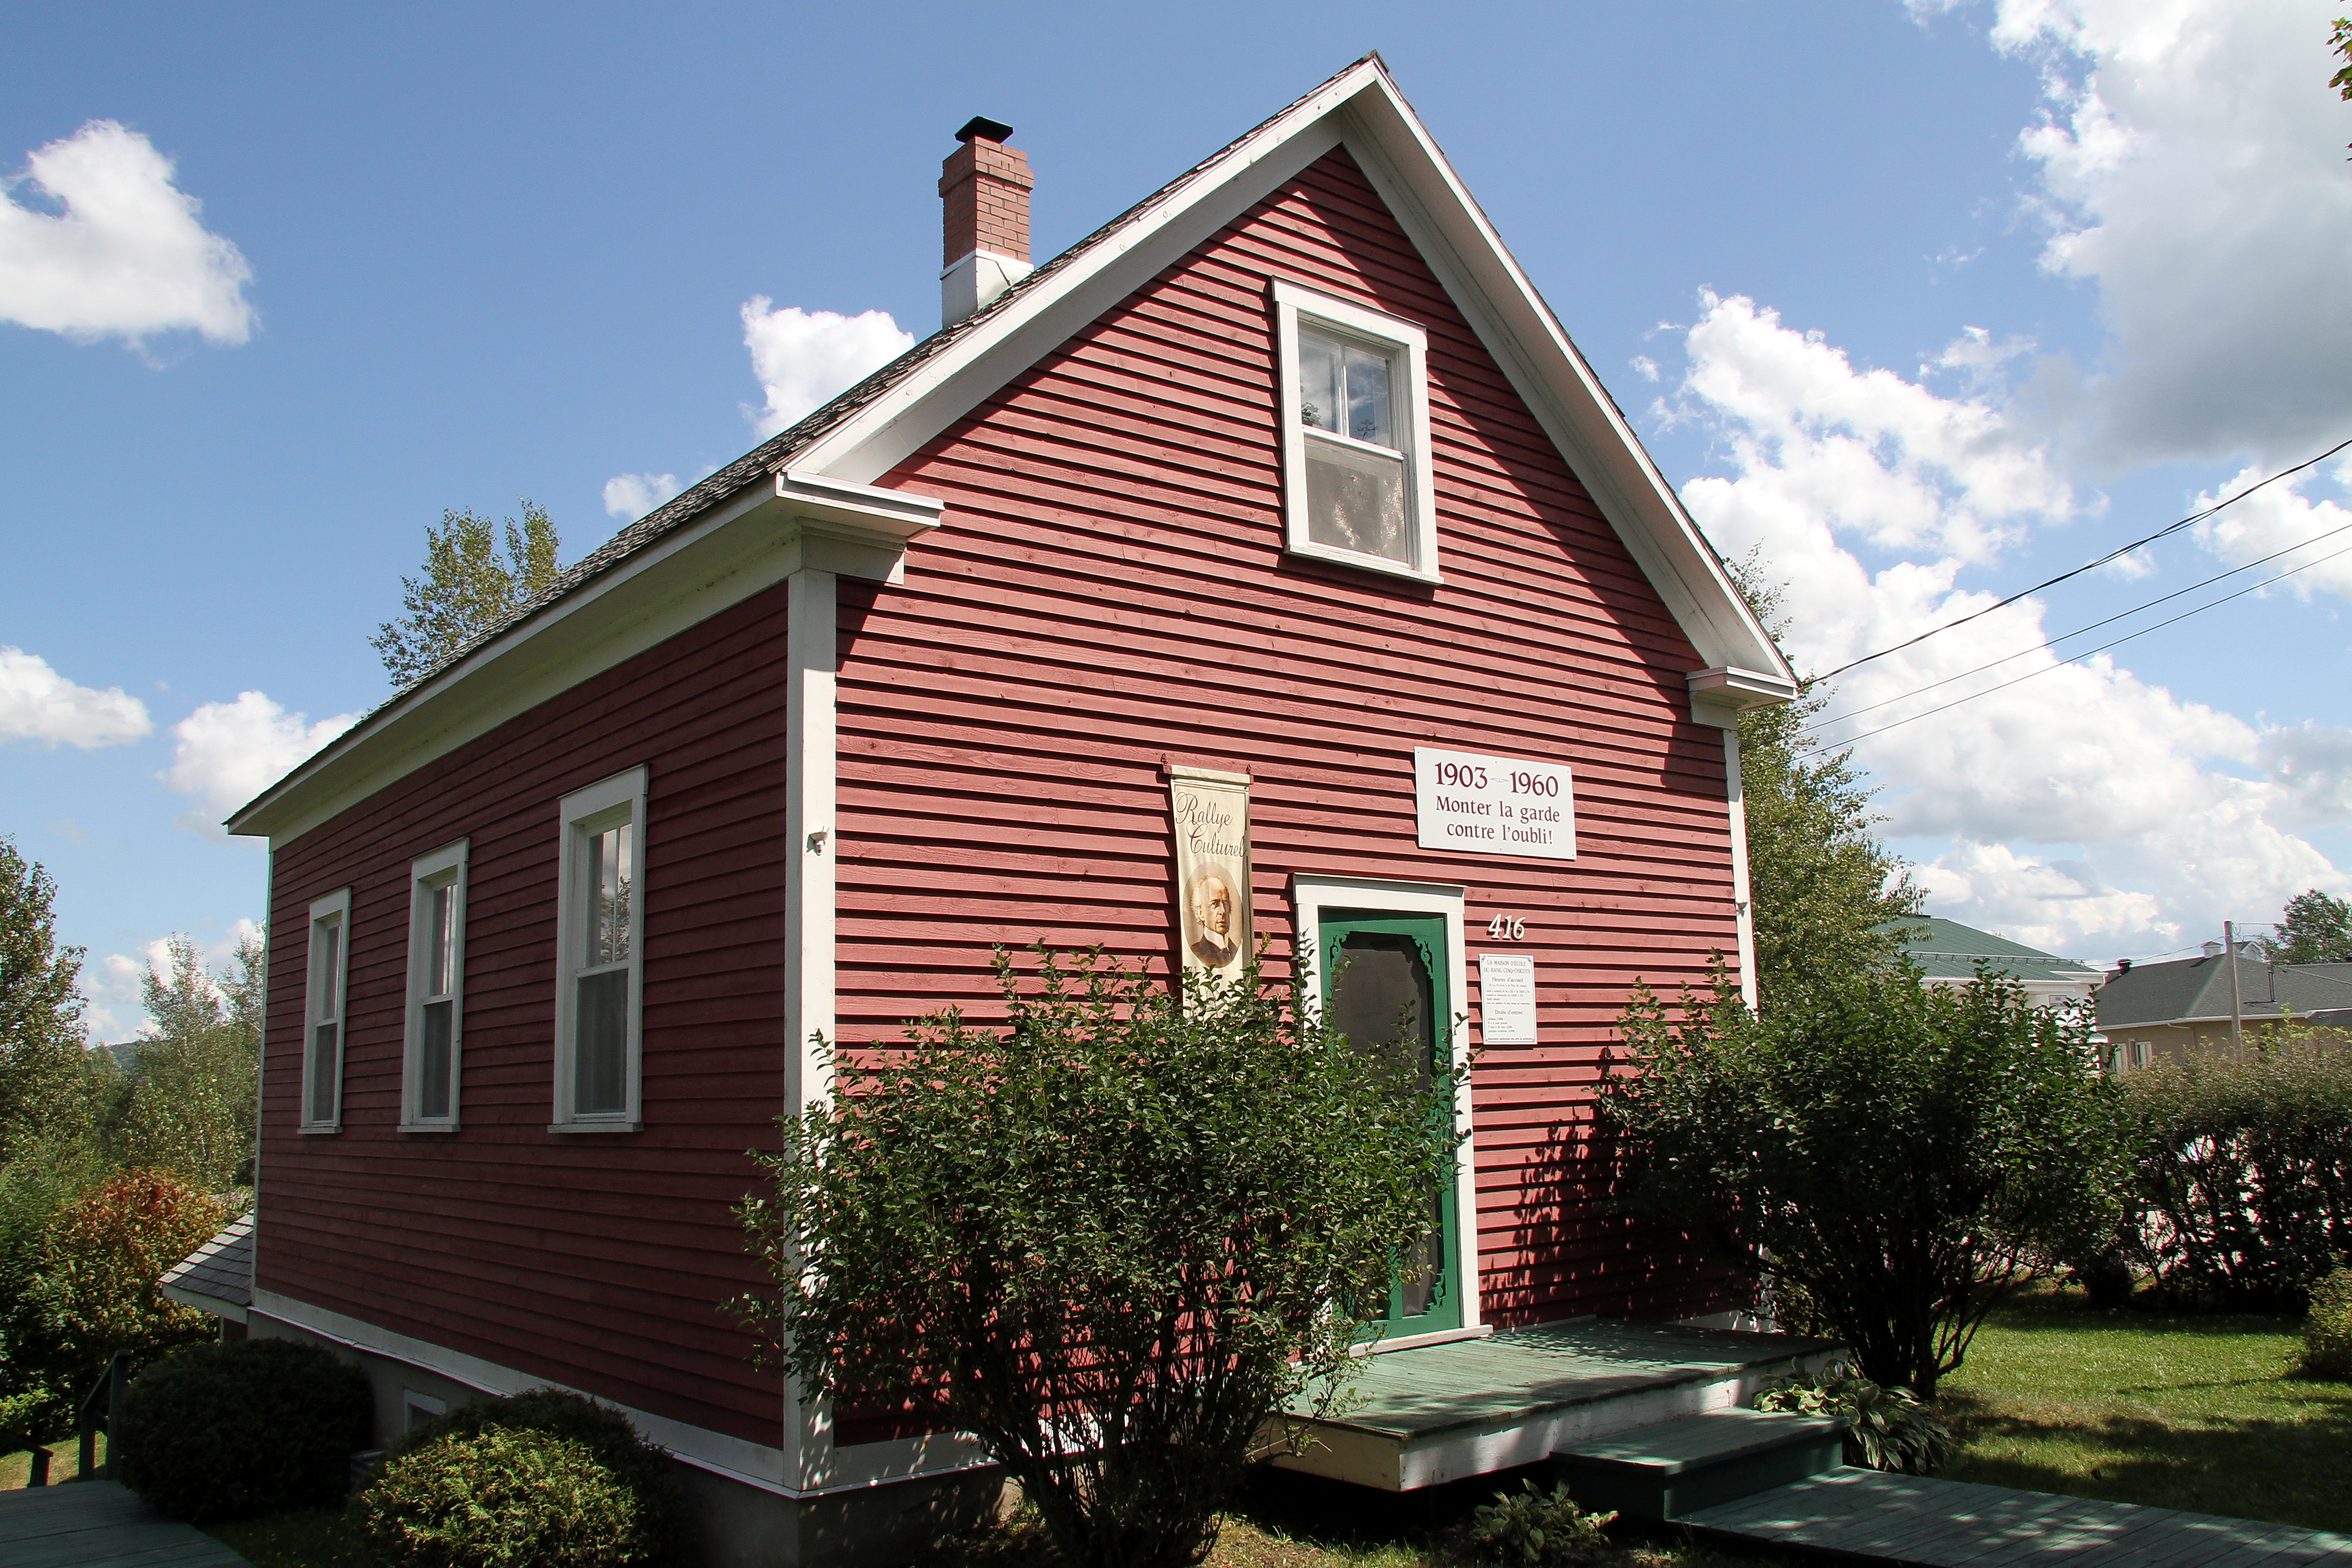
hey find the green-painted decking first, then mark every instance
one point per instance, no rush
(1437, 1413)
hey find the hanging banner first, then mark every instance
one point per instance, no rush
(1213, 867)
(1493, 805)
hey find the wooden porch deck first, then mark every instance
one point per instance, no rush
(1867, 1514)
(100, 1524)
(1439, 1412)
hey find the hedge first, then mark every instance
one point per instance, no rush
(224, 1431)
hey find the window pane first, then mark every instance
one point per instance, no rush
(1319, 391)
(601, 1052)
(433, 1069)
(330, 946)
(439, 950)
(1367, 397)
(323, 1072)
(608, 892)
(1355, 500)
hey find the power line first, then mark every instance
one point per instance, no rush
(2135, 637)
(2051, 643)
(2115, 554)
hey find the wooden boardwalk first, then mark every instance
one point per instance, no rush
(1948, 1524)
(100, 1524)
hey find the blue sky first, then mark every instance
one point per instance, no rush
(1930, 302)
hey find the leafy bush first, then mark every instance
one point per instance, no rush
(1899, 1152)
(543, 1478)
(2105, 1277)
(1536, 1529)
(222, 1431)
(2245, 1170)
(2328, 1332)
(103, 1258)
(1885, 1428)
(1113, 1241)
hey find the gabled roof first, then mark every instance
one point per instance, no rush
(1946, 949)
(2198, 990)
(861, 435)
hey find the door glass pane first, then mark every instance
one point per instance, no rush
(608, 892)
(1382, 999)
(1355, 500)
(433, 1068)
(602, 1043)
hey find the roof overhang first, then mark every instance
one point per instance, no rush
(747, 543)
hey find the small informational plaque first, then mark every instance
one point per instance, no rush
(1507, 999)
(1475, 805)
(1213, 867)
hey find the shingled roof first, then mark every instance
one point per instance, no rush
(2199, 989)
(1946, 949)
(217, 1277)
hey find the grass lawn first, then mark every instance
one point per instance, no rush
(2201, 1412)
(15, 1470)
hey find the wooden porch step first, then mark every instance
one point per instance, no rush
(1677, 1468)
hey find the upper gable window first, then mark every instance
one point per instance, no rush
(1356, 484)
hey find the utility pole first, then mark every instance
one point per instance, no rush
(2237, 997)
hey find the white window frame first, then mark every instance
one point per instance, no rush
(444, 867)
(1309, 896)
(414, 1405)
(333, 912)
(1408, 347)
(584, 812)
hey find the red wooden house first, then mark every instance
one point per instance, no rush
(1282, 504)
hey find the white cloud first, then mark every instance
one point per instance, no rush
(803, 357)
(2277, 518)
(2192, 166)
(227, 752)
(127, 257)
(630, 496)
(2080, 806)
(40, 706)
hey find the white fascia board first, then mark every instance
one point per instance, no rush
(744, 545)
(1556, 382)
(1362, 110)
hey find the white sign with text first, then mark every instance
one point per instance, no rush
(1507, 999)
(1493, 805)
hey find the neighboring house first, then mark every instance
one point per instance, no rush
(2164, 1012)
(1948, 953)
(1267, 565)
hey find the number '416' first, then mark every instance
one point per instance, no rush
(1506, 928)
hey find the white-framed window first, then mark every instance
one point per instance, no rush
(417, 1409)
(1353, 389)
(599, 970)
(436, 991)
(326, 964)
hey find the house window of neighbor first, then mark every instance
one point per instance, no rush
(436, 983)
(600, 930)
(1356, 473)
(328, 962)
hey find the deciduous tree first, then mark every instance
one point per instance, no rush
(193, 1110)
(1902, 1152)
(1112, 1239)
(2315, 928)
(467, 586)
(47, 1087)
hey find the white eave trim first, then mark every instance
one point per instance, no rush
(1727, 686)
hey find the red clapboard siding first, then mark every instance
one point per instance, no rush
(1110, 592)
(594, 1261)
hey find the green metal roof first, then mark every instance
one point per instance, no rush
(1946, 949)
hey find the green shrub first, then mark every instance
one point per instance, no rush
(1529, 1527)
(543, 1478)
(2328, 1332)
(223, 1431)
(1885, 1428)
(2245, 1170)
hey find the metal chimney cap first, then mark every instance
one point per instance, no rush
(983, 128)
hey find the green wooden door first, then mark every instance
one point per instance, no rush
(1380, 969)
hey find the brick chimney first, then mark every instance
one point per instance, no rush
(984, 192)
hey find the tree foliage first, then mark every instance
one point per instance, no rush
(467, 586)
(1113, 1239)
(2314, 928)
(47, 1087)
(2339, 44)
(104, 1258)
(1827, 897)
(1901, 1152)
(192, 1108)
